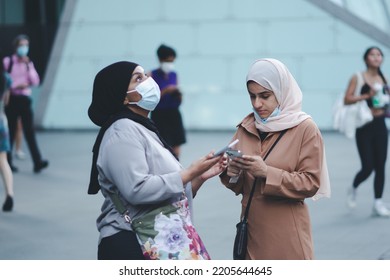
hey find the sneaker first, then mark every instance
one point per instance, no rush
(380, 210)
(351, 197)
(20, 154)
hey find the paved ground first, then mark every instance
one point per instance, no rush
(54, 218)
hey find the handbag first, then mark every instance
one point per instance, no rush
(241, 238)
(166, 232)
(348, 117)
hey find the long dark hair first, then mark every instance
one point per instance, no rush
(365, 56)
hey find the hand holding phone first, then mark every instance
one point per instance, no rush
(234, 153)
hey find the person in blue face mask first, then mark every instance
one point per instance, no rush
(19, 108)
(132, 159)
(283, 163)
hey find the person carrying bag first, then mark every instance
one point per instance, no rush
(133, 166)
(276, 222)
(241, 239)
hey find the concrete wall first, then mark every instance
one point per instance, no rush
(216, 42)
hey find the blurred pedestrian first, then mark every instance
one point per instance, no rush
(279, 224)
(5, 169)
(372, 138)
(167, 116)
(24, 76)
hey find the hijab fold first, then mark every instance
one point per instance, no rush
(274, 76)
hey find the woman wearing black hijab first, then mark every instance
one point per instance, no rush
(131, 158)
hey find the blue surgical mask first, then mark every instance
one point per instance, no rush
(150, 94)
(22, 50)
(275, 113)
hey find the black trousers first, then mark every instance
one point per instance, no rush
(170, 125)
(371, 141)
(120, 246)
(20, 106)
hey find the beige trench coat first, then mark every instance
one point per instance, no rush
(278, 222)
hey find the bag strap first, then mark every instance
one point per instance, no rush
(121, 208)
(359, 83)
(245, 218)
(118, 203)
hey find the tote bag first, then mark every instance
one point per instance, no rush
(167, 232)
(346, 118)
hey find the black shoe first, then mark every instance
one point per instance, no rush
(39, 166)
(8, 204)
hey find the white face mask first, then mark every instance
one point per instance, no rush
(167, 67)
(150, 94)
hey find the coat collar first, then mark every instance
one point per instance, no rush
(248, 123)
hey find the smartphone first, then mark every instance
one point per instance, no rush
(234, 153)
(226, 148)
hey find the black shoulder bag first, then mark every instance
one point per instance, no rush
(241, 239)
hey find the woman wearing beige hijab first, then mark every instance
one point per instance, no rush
(278, 221)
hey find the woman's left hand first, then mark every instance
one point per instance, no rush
(255, 165)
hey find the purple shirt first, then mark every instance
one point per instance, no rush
(163, 80)
(21, 73)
